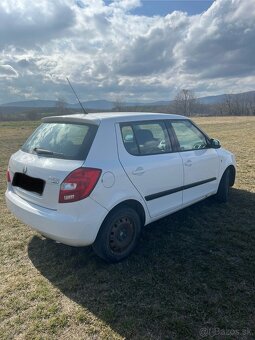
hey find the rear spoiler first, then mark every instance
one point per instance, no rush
(78, 118)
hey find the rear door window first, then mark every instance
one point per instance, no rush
(61, 140)
(146, 138)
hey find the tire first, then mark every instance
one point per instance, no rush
(223, 190)
(118, 235)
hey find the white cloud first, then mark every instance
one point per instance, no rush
(107, 51)
(125, 4)
(6, 71)
(220, 42)
(25, 23)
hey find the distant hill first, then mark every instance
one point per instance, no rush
(96, 104)
(220, 98)
(93, 105)
(32, 103)
(104, 104)
(212, 99)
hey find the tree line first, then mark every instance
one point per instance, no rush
(242, 104)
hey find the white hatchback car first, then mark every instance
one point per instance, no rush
(98, 178)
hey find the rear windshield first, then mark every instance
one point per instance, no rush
(61, 140)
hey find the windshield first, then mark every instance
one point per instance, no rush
(61, 140)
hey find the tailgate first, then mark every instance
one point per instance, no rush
(37, 179)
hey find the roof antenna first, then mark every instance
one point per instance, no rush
(77, 97)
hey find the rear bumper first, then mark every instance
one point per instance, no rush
(77, 225)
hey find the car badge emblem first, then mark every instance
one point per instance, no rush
(53, 180)
(24, 170)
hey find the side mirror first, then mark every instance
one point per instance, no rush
(215, 143)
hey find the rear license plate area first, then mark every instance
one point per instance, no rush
(32, 184)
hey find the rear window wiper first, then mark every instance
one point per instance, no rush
(41, 151)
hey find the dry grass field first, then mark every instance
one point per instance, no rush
(193, 272)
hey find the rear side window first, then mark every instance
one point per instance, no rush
(147, 138)
(129, 139)
(61, 140)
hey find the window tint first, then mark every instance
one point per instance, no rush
(146, 138)
(61, 140)
(189, 137)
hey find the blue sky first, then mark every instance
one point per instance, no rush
(164, 7)
(125, 50)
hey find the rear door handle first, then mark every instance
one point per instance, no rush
(188, 162)
(138, 171)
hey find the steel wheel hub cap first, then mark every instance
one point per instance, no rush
(122, 234)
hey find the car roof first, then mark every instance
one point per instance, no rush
(116, 117)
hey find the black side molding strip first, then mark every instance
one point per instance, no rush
(173, 191)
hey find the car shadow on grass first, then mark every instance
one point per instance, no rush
(191, 270)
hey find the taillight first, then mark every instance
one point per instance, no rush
(78, 184)
(8, 176)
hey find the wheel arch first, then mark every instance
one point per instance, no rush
(136, 205)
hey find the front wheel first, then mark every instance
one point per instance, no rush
(118, 235)
(223, 190)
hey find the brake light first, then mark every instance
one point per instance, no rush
(8, 176)
(78, 184)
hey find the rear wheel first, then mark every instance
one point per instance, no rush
(223, 190)
(118, 235)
